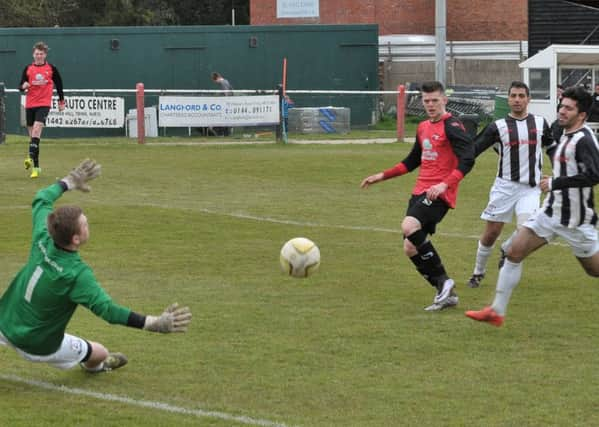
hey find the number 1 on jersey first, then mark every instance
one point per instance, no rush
(35, 277)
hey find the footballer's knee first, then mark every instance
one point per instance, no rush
(514, 254)
(491, 233)
(410, 225)
(97, 355)
(591, 269)
(408, 248)
(593, 272)
(36, 130)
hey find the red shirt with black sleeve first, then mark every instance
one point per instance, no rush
(445, 153)
(42, 79)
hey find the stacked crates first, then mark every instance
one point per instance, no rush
(319, 120)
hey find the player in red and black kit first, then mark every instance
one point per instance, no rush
(38, 81)
(445, 154)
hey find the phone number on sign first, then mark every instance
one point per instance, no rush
(78, 121)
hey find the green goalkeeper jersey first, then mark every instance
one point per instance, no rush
(41, 299)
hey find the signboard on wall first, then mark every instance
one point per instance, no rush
(210, 111)
(86, 112)
(297, 8)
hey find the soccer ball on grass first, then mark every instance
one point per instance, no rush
(300, 257)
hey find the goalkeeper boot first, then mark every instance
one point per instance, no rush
(28, 163)
(35, 173)
(114, 361)
(488, 315)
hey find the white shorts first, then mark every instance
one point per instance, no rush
(507, 198)
(70, 353)
(582, 239)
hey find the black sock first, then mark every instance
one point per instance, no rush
(34, 151)
(417, 261)
(431, 266)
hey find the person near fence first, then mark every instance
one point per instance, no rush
(39, 302)
(568, 210)
(594, 113)
(38, 81)
(519, 138)
(225, 86)
(288, 104)
(445, 154)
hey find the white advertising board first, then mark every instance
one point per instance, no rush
(191, 111)
(87, 112)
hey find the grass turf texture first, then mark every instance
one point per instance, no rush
(349, 346)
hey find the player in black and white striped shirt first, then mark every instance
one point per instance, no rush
(568, 211)
(519, 139)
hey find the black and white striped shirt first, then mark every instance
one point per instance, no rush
(575, 172)
(519, 145)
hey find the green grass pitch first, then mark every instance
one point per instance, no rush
(350, 346)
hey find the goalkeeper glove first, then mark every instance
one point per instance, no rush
(78, 177)
(173, 319)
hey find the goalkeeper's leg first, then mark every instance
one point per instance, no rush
(99, 359)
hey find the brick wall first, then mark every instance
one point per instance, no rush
(466, 19)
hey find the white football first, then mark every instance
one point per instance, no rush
(300, 257)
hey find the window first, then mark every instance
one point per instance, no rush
(539, 83)
(579, 76)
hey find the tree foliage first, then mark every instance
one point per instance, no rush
(85, 13)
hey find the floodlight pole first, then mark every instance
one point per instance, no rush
(440, 39)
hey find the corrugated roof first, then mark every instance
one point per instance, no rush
(405, 48)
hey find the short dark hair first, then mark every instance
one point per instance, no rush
(63, 224)
(432, 86)
(583, 99)
(520, 85)
(41, 46)
(561, 87)
(215, 76)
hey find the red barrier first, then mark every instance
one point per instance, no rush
(401, 112)
(140, 105)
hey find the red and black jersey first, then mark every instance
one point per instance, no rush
(444, 152)
(42, 79)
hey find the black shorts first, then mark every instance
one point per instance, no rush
(36, 114)
(429, 213)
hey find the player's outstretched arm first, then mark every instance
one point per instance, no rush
(173, 319)
(86, 171)
(372, 179)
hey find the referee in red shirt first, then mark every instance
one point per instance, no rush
(445, 154)
(37, 82)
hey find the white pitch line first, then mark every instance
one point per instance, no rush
(200, 413)
(307, 223)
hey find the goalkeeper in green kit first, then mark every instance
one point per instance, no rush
(41, 299)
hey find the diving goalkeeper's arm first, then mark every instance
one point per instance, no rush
(173, 319)
(86, 171)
